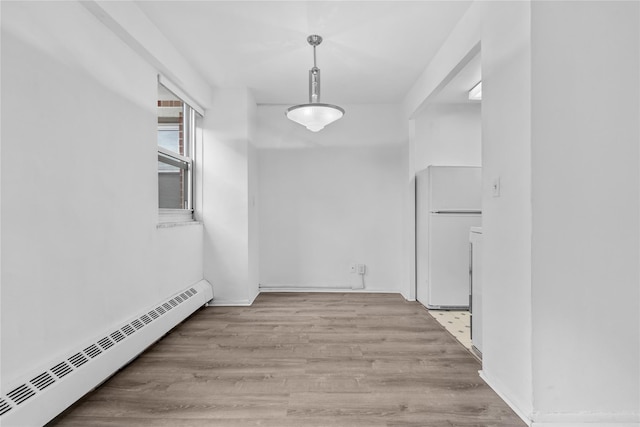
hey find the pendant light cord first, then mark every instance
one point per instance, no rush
(314, 57)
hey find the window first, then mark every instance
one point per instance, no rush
(176, 140)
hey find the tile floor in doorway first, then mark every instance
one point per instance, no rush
(457, 323)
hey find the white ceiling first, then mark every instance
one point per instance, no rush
(373, 51)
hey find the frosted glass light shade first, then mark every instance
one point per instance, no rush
(315, 116)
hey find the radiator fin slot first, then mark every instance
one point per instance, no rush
(178, 298)
(153, 314)
(106, 343)
(78, 360)
(61, 369)
(167, 306)
(184, 295)
(146, 319)
(137, 324)
(20, 394)
(173, 302)
(161, 310)
(92, 351)
(4, 407)
(127, 329)
(117, 336)
(42, 381)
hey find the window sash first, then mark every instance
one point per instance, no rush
(174, 159)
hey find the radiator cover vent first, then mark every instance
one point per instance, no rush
(42, 381)
(127, 329)
(49, 380)
(106, 343)
(20, 394)
(4, 407)
(117, 336)
(92, 351)
(61, 369)
(78, 360)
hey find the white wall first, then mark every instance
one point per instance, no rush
(228, 198)
(506, 153)
(80, 249)
(586, 292)
(448, 134)
(332, 198)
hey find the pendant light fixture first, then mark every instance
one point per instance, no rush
(314, 115)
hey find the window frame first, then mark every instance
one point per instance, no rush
(184, 162)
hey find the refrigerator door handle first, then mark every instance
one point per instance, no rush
(457, 211)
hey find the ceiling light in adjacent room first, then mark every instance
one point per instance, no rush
(475, 94)
(314, 115)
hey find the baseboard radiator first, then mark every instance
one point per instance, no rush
(40, 397)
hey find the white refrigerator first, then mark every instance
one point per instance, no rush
(448, 204)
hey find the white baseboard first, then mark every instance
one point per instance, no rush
(322, 288)
(592, 419)
(500, 392)
(230, 303)
(586, 420)
(586, 424)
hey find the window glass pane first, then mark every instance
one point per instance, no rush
(171, 184)
(171, 121)
(169, 138)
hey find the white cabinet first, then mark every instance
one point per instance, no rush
(475, 286)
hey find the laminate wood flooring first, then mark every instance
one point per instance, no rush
(300, 359)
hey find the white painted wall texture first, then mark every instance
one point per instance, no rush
(448, 135)
(80, 249)
(230, 254)
(585, 172)
(506, 222)
(332, 198)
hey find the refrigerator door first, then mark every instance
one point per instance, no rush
(448, 272)
(444, 189)
(455, 188)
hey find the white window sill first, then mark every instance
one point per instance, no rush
(175, 216)
(178, 224)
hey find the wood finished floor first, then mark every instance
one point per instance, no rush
(300, 359)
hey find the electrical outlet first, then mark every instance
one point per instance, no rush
(362, 269)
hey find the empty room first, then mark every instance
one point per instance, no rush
(320, 213)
